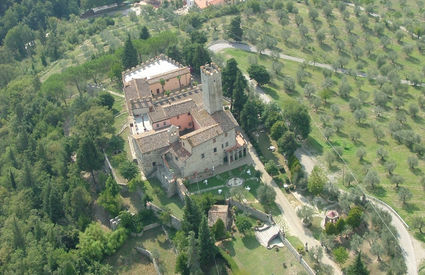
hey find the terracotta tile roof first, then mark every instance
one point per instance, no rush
(225, 119)
(203, 134)
(172, 110)
(179, 108)
(136, 88)
(153, 140)
(180, 151)
(218, 212)
(203, 118)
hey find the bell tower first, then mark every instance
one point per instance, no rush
(212, 92)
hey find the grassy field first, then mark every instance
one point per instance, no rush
(256, 259)
(154, 189)
(396, 152)
(127, 261)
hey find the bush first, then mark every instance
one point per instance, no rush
(259, 74)
(243, 224)
(330, 228)
(128, 170)
(355, 216)
(271, 168)
(112, 203)
(340, 254)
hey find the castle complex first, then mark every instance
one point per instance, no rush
(179, 130)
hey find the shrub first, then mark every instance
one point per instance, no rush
(340, 254)
(128, 170)
(271, 168)
(355, 216)
(243, 224)
(330, 228)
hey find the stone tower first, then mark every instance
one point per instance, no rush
(212, 92)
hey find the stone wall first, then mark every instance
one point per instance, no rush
(196, 164)
(148, 254)
(175, 222)
(260, 215)
(146, 228)
(181, 189)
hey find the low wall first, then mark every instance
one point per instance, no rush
(260, 215)
(297, 255)
(181, 189)
(148, 254)
(175, 222)
(146, 228)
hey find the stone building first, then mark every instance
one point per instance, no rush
(217, 212)
(185, 133)
(144, 80)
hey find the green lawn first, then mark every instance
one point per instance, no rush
(396, 151)
(160, 198)
(127, 261)
(222, 179)
(256, 259)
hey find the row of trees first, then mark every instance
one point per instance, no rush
(195, 242)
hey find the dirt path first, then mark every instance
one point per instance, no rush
(292, 224)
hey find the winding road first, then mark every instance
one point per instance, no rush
(220, 45)
(410, 246)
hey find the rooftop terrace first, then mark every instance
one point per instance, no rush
(151, 70)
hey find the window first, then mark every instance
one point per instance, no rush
(190, 124)
(202, 155)
(215, 149)
(188, 113)
(154, 163)
(227, 143)
(177, 158)
(165, 123)
(157, 91)
(222, 146)
(157, 125)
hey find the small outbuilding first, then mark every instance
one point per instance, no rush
(331, 216)
(219, 212)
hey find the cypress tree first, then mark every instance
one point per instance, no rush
(235, 31)
(88, 157)
(18, 237)
(228, 77)
(12, 179)
(357, 268)
(191, 216)
(193, 254)
(129, 58)
(144, 34)
(239, 97)
(207, 249)
(27, 180)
